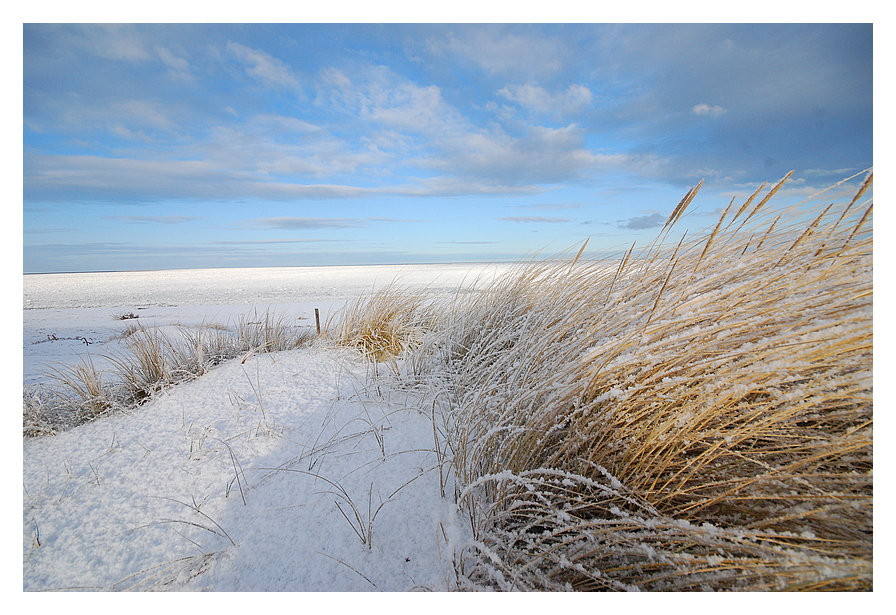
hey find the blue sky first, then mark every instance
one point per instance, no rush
(193, 146)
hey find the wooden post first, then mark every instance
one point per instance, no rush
(317, 319)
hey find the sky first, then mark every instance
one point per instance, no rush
(249, 145)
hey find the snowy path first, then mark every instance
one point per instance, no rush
(248, 478)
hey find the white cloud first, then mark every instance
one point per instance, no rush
(283, 123)
(129, 118)
(289, 223)
(498, 52)
(643, 222)
(838, 173)
(711, 110)
(445, 185)
(49, 178)
(152, 219)
(550, 206)
(115, 42)
(533, 219)
(143, 113)
(536, 98)
(379, 95)
(542, 155)
(274, 145)
(178, 67)
(247, 242)
(122, 131)
(263, 67)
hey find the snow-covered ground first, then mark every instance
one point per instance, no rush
(282, 473)
(285, 472)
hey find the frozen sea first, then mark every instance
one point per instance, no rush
(67, 316)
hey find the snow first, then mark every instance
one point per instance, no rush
(288, 472)
(211, 486)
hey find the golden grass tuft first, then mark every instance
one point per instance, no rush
(385, 324)
(80, 391)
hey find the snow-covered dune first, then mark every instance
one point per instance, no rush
(282, 473)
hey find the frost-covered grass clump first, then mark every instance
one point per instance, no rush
(153, 358)
(384, 325)
(694, 416)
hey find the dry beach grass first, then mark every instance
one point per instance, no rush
(153, 358)
(691, 417)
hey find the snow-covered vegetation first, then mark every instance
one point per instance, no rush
(695, 415)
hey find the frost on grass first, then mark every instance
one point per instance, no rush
(698, 416)
(152, 358)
